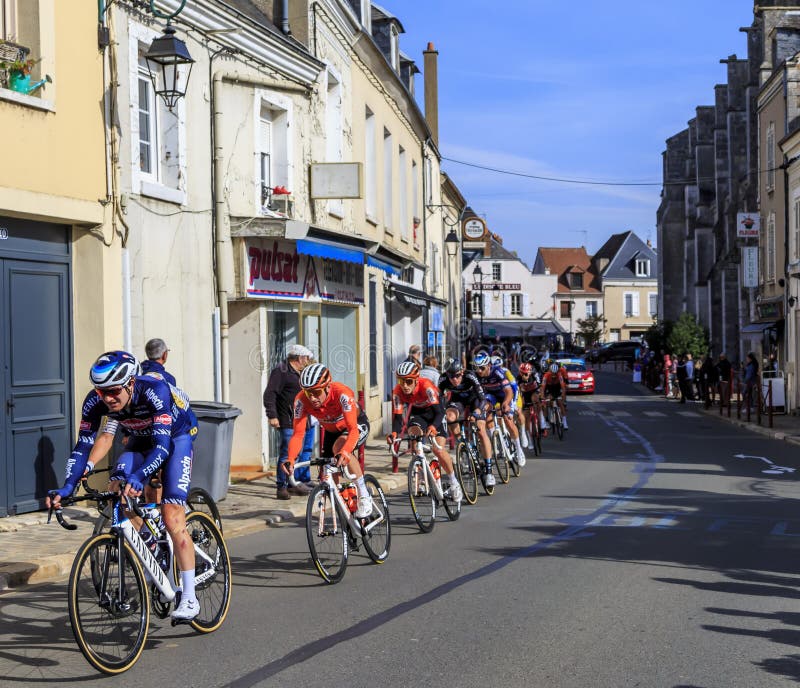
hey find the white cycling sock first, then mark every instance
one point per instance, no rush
(542, 421)
(187, 584)
(564, 421)
(361, 487)
(452, 477)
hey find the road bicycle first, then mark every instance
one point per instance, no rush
(425, 489)
(501, 447)
(467, 462)
(533, 428)
(554, 417)
(116, 580)
(331, 526)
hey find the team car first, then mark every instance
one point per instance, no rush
(579, 378)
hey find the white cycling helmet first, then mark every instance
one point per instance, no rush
(315, 376)
(408, 369)
(554, 368)
(497, 360)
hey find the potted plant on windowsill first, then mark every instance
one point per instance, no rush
(19, 76)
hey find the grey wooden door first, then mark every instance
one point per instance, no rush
(35, 379)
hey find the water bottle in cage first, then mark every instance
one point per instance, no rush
(350, 496)
(435, 469)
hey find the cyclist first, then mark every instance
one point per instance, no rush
(463, 395)
(416, 403)
(345, 424)
(521, 439)
(555, 385)
(499, 391)
(159, 434)
(529, 387)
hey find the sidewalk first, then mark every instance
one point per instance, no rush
(33, 552)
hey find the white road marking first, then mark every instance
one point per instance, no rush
(773, 469)
(655, 414)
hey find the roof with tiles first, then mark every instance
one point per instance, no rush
(616, 259)
(565, 261)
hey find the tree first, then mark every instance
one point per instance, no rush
(658, 334)
(591, 329)
(688, 336)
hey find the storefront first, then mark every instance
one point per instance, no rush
(295, 292)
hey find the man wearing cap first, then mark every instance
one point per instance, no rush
(283, 386)
(157, 352)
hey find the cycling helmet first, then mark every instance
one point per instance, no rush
(315, 376)
(497, 360)
(525, 369)
(114, 368)
(408, 369)
(481, 359)
(554, 368)
(454, 368)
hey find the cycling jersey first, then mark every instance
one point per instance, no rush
(468, 393)
(153, 421)
(528, 388)
(423, 401)
(554, 382)
(338, 415)
(494, 383)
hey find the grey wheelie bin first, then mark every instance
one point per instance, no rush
(211, 465)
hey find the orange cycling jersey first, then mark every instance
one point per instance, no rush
(555, 379)
(425, 395)
(338, 414)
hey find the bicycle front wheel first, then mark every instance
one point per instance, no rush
(327, 535)
(420, 495)
(500, 456)
(200, 500)
(378, 538)
(109, 604)
(212, 572)
(559, 424)
(465, 470)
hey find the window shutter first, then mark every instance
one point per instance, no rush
(635, 303)
(487, 304)
(506, 305)
(526, 306)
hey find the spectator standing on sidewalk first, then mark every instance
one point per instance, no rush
(282, 388)
(157, 353)
(724, 370)
(751, 380)
(710, 379)
(680, 374)
(431, 369)
(415, 354)
(690, 376)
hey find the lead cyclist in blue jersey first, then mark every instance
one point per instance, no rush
(159, 428)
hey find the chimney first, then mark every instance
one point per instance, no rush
(431, 63)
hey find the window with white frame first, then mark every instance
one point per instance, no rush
(516, 304)
(334, 132)
(797, 228)
(366, 15)
(428, 181)
(370, 166)
(415, 179)
(273, 150)
(770, 156)
(8, 20)
(477, 303)
(497, 272)
(157, 134)
(630, 304)
(642, 267)
(265, 156)
(402, 192)
(770, 253)
(652, 309)
(388, 181)
(591, 309)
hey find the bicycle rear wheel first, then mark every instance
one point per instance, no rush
(465, 470)
(559, 425)
(378, 538)
(109, 605)
(513, 464)
(327, 535)
(500, 456)
(200, 500)
(212, 572)
(420, 495)
(536, 436)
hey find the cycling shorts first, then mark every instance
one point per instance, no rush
(331, 437)
(553, 391)
(461, 410)
(176, 471)
(423, 419)
(492, 402)
(527, 399)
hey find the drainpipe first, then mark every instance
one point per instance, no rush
(223, 247)
(285, 18)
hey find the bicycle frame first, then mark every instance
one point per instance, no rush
(421, 448)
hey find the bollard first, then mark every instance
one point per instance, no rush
(769, 398)
(361, 404)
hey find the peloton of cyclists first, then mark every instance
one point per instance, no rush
(463, 397)
(159, 436)
(345, 424)
(498, 390)
(416, 404)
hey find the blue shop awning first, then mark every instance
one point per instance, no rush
(374, 262)
(758, 327)
(323, 249)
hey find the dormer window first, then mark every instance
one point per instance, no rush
(575, 280)
(642, 267)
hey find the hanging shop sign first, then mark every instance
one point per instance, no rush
(749, 266)
(275, 270)
(474, 228)
(748, 225)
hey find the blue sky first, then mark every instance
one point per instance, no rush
(583, 90)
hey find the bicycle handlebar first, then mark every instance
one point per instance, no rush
(321, 462)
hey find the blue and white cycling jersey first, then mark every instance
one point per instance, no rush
(494, 385)
(153, 419)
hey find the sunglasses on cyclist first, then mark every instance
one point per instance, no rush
(109, 391)
(453, 376)
(315, 393)
(406, 381)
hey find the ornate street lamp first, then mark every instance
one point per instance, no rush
(167, 59)
(451, 243)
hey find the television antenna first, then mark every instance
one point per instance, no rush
(584, 232)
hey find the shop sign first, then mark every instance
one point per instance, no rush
(749, 266)
(474, 228)
(772, 310)
(748, 225)
(275, 270)
(3, 233)
(504, 286)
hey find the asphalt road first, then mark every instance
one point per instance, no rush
(640, 551)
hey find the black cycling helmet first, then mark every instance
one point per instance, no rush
(454, 369)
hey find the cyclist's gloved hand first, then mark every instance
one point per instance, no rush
(391, 438)
(288, 466)
(55, 496)
(431, 431)
(343, 458)
(134, 487)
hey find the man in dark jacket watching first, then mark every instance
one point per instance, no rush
(283, 386)
(157, 352)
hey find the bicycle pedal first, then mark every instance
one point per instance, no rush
(181, 622)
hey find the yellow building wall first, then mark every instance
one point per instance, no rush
(614, 301)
